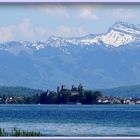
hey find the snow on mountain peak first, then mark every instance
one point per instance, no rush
(119, 34)
(38, 45)
(127, 28)
(80, 41)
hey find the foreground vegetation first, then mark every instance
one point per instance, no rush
(19, 133)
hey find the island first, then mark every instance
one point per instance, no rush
(63, 95)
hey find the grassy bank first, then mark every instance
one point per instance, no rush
(19, 133)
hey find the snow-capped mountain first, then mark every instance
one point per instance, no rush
(95, 60)
(118, 35)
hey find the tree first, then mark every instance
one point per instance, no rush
(43, 98)
(65, 97)
(80, 88)
(81, 92)
(89, 99)
(51, 98)
(95, 95)
(91, 96)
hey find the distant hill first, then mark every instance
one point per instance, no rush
(106, 60)
(18, 91)
(125, 91)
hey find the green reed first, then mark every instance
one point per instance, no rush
(2, 132)
(19, 133)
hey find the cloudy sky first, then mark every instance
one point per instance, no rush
(38, 22)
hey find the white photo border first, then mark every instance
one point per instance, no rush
(68, 1)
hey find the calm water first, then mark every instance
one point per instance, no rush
(73, 120)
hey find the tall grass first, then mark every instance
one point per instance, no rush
(19, 133)
(2, 132)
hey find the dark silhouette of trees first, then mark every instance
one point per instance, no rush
(62, 96)
(65, 96)
(81, 92)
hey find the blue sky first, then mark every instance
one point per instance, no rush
(39, 21)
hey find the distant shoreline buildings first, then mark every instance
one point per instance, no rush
(63, 95)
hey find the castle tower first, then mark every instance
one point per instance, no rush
(72, 86)
(58, 89)
(62, 87)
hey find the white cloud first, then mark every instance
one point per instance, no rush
(66, 31)
(87, 12)
(22, 31)
(6, 33)
(55, 9)
(123, 14)
(25, 30)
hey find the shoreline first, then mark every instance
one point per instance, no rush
(69, 104)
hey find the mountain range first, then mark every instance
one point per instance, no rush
(95, 60)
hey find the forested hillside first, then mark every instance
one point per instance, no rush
(18, 91)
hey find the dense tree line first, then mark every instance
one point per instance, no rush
(62, 96)
(18, 91)
(66, 97)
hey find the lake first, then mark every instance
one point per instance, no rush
(73, 120)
